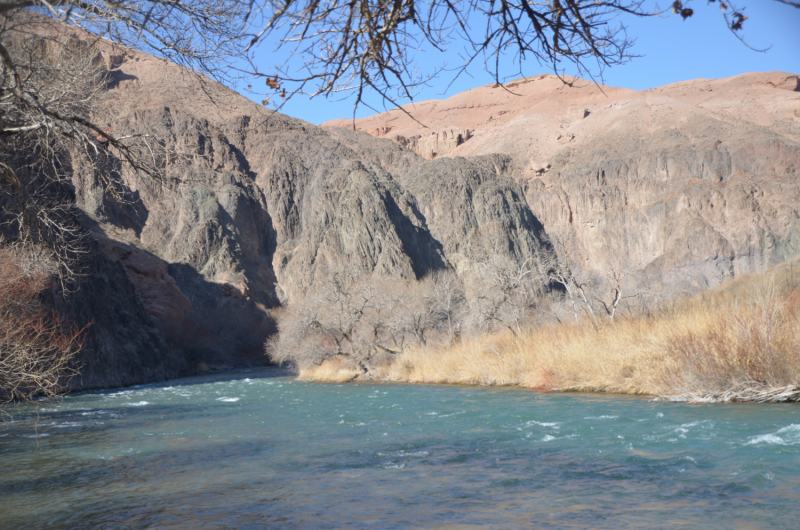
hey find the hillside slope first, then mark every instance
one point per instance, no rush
(689, 183)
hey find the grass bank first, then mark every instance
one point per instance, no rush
(738, 342)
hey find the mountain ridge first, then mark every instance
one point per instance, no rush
(622, 172)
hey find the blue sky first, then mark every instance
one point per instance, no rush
(672, 50)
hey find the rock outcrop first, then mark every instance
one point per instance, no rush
(435, 144)
(255, 210)
(689, 183)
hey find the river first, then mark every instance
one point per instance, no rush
(262, 450)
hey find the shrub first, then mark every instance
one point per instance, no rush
(36, 344)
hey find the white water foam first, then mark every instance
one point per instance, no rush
(139, 404)
(228, 399)
(789, 435)
(554, 424)
(415, 454)
(601, 417)
(696, 423)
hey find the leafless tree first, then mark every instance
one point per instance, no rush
(61, 77)
(502, 287)
(447, 302)
(619, 283)
(361, 46)
(620, 287)
(202, 35)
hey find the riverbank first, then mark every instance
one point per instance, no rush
(738, 342)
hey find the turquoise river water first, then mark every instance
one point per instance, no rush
(262, 450)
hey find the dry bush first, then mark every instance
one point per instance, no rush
(356, 319)
(747, 344)
(502, 284)
(740, 342)
(36, 345)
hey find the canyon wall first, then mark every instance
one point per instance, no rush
(253, 210)
(686, 185)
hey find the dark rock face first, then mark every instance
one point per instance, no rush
(124, 345)
(459, 197)
(358, 219)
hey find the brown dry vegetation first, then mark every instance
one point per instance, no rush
(36, 345)
(739, 342)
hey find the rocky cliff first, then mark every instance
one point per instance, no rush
(689, 183)
(256, 207)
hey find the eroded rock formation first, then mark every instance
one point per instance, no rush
(257, 207)
(690, 183)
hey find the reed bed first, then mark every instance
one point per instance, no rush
(739, 342)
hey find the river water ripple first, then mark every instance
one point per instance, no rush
(259, 451)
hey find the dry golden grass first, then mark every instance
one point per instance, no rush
(336, 370)
(741, 339)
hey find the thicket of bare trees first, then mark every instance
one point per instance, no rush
(367, 320)
(36, 345)
(503, 285)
